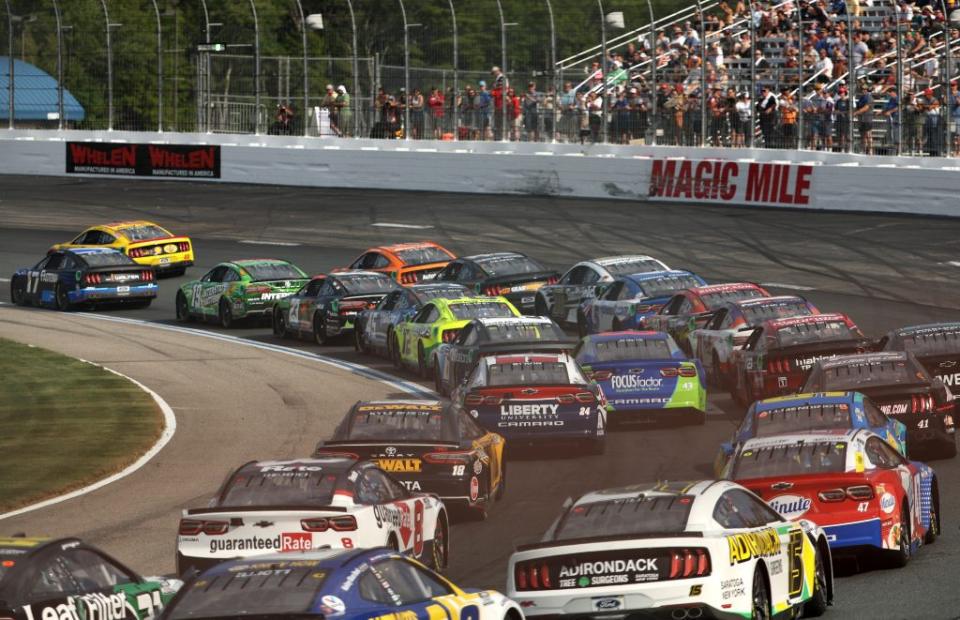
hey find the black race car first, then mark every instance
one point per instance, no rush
(936, 346)
(68, 278)
(902, 388)
(426, 446)
(507, 274)
(42, 578)
(373, 329)
(453, 361)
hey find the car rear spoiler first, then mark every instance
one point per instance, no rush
(520, 277)
(389, 442)
(285, 508)
(537, 346)
(596, 539)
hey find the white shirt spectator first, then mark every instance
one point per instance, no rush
(743, 110)
(825, 65)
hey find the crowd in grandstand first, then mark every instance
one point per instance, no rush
(782, 83)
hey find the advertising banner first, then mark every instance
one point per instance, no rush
(145, 160)
(732, 182)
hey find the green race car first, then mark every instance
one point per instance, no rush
(238, 290)
(438, 321)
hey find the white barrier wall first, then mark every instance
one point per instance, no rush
(791, 179)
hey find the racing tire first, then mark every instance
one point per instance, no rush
(358, 344)
(395, 352)
(901, 557)
(438, 554)
(18, 292)
(437, 379)
(320, 329)
(279, 324)
(61, 299)
(422, 369)
(392, 543)
(581, 325)
(760, 598)
(540, 307)
(225, 314)
(183, 310)
(817, 604)
(934, 530)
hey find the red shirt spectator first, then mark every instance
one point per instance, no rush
(435, 103)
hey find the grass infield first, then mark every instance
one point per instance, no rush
(65, 424)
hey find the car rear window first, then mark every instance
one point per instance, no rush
(367, 284)
(528, 373)
(106, 259)
(498, 266)
(637, 265)
(939, 342)
(523, 332)
(481, 310)
(861, 375)
(803, 418)
(760, 312)
(813, 332)
(666, 285)
(255, 589)
(373, 422)
(624, 349)
(657, 514)
(422, 256)
(280, 485)
(143, 233)
(795, 459)
(261, 272)
(712, 300)
(442, 292)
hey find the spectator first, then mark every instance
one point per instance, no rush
(929, 104)
(788, 121)
(282, 121)
(569, 126)
(914, 119)
(329, 103)
(435, 103)
(531, 113)
(824, 65)
(621, 118)
(470, 114)
(891, 111)
(717, 110)
(416, 114)
(842, 113)
(953, 104)
(744, 125)
(451, 102)
(767, 109)
(864, 116)
(499, 87)
(549, 114)
(514, 110)
(344, 112)
(595, 111)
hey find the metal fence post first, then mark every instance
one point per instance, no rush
(406, 72)
(306, 81)
(503, 71)
(603, 70)
(11, 107)
(653, 76)
(900, 102)
(256, 66)
(204, 119)
(703, 77)
(156, 11)
(356, 71)
(106, 19)
(60, 112)
(456, 85)
(799, 99)
(553, 69)
(948, 116)
(852, 83)
(751, 130)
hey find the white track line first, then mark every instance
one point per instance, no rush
(169, 428)
(4, 279)
(390, 225)
(286, 244)
(793, 287)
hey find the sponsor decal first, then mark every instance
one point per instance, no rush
(408, 407)
(400, 465)
(950, 380)
(776, 567)
(731, 182)
(607, 604)
(732, 588)
(474, 489)
(352, 577)
(895, 408)
(151, 160)
(273, 296)
(790, 506)
(888, 503)
(334, 605)
(284, 542)
(411, 485)
(289, 468)
(634, 382)
(750, 545)
(86, 607)
(477, 466)
(530, 424)
(606, 568)
(528, 410)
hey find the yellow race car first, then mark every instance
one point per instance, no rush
(145, 242)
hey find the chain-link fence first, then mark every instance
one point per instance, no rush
(865, 76)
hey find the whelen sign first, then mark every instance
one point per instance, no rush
(723, 181)
(148, 160)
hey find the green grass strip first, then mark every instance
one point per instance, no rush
(65, 424)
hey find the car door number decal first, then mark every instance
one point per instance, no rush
(795, 562)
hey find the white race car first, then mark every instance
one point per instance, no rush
(708, 549)
(268, 507)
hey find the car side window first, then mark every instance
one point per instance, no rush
(54, 263)
(410, 584)
(231, 275)
(613, 291)
(52, 580)
(726, 321)
(673, 306)
(578, 275)
(374, 487)
(105, 238)
(360, 262)
(471, 430)
(379, 261)
(216, 274)
(685, 307)
(728, 514)
(875, 417)
(450, 272)
(81, 238)
(42, 264)
(591, 276)
(627, 292)
(389, 302)
(763, 513)
(371, 589)
(327, 289)
(471, 337)
(68, 263)
(881, 454)
(312, 288)
(892, 455)
(93, 572)
(467, 274)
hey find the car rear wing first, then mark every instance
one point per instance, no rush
(535, 346)
(283, 508)
(546, 544)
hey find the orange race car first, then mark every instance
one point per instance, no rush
(145, 242)
(407, 263)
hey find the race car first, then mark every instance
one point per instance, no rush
(678, 316)
(46, 578)
(508, 274)
(708, 549)
(407, 263)
(327, 306)
(863, 493)
(425, 446)
(438, 321)
(333, 583)
(68, 278)
(453, 361)
(714, 343)
(535, 398)
(560, 301)
(802, 413)
(644, 374)
(145, 242)
(373, 328)
(237, 290)
(936, 346)
(625, 302)
(267, 507)
(902, 389)
(777, 355)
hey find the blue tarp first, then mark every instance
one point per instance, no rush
(35, 94)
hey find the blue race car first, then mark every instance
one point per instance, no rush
(68, 278)
(644, 374)
(373, 329)
(625, 301)
(332, 583)
(825, 411)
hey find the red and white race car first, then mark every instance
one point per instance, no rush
(853, 484)
(267, 507)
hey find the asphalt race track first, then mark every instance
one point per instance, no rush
(235, 402)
